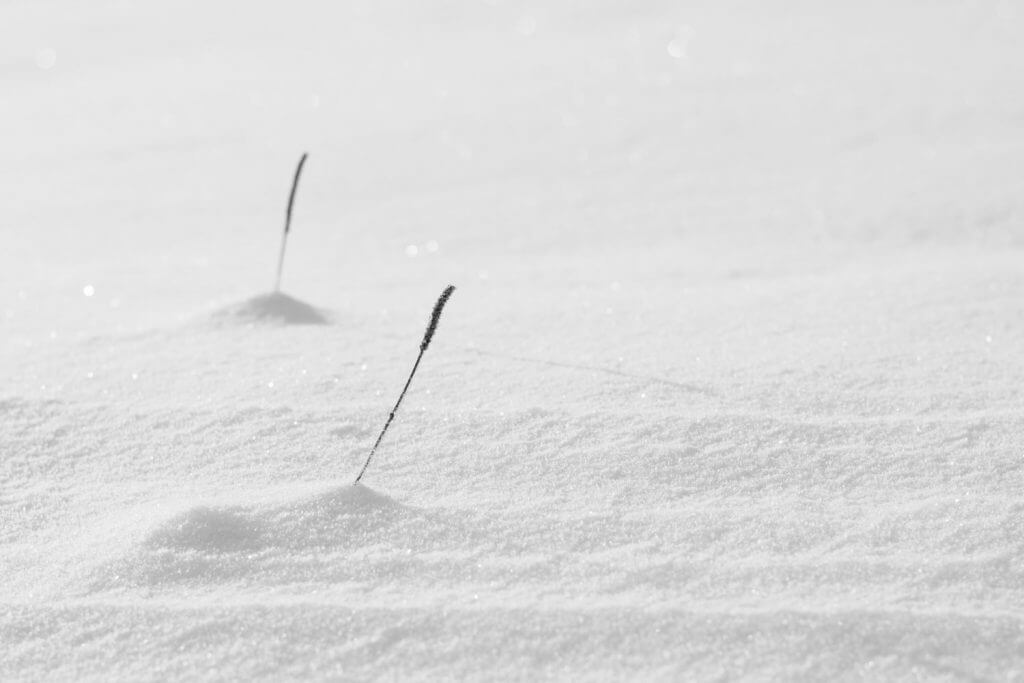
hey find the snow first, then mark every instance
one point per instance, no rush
(272, 308)
(730, 387)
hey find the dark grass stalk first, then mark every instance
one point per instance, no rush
(288, 221)
(435, 316)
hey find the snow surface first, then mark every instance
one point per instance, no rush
(731, 386)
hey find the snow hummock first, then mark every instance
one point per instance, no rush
(338, 517)
(214, 543)
(275, 308)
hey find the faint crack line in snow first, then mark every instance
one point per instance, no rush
(692, 388)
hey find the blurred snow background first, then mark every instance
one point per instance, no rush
(730, 387)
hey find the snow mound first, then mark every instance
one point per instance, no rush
(338, 516)
(274, 308)
(257, 543)
(208, 529)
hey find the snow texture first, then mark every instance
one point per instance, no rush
(730, 389)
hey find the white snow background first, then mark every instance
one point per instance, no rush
(731, 386)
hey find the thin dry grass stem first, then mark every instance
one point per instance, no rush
(435, 317)
(288, 221)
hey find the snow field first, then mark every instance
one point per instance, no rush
(730, 387)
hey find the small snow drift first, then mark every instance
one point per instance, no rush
(337, 516)
(214, 543)
(207, 529)
(274, 308)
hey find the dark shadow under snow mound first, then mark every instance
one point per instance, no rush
(274, 308)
